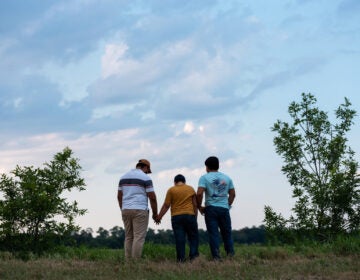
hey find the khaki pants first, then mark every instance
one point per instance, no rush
(136, 224)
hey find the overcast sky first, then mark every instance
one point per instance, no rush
(173, 82)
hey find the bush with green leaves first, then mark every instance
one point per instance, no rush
(33, 210)
(322, 170)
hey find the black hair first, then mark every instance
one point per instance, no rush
(212, 163)
(179, 178)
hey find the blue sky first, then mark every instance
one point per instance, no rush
(173, 82)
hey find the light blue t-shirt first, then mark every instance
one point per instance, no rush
(217, 186)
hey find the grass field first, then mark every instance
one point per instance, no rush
(339, 261)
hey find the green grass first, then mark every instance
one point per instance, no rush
(338, 260)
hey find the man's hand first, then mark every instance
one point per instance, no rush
(157, 220)
(202, 210)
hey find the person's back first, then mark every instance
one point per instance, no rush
(219, 196)
(182, 200)
(134, 190)
(134, 185)
(180, 197)
(217, 186)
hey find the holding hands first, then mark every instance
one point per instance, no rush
(202, 210)
(157, 220)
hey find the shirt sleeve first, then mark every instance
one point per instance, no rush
(202, 182)
(149, 186)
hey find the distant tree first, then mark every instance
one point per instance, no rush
(117, 237)
(84, 237)
(321, 169)
(117, 232)
(254, 235)
(33, 210)
(103, 233)
(114, 238)
(165, 236)
(151, 235)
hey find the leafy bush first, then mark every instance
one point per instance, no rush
(33, 213)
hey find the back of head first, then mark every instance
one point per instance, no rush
(142, 163)
(212, 163)
(179, 178)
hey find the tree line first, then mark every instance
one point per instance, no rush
(114, 238)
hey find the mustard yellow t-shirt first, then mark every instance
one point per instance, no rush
(179, 197)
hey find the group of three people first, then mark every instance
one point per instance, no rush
(136, 188)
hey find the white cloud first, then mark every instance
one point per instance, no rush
(17, 102)
(189, 127)
(112, 63)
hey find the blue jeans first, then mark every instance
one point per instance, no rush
(185, 225)
(215, 218)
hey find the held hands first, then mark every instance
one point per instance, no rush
(202, 210)
(157, 219)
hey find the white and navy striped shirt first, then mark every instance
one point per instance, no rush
(135, 185)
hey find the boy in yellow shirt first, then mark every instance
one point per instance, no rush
(182, 200)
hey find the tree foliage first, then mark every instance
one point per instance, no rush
(33, 209)
(321, 168)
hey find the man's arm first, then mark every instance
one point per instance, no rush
(119, 197)
(231, 196)
(194, 203)
(153, 204)
(199, 199)
(163, 211)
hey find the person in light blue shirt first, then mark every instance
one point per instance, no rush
(219, 195)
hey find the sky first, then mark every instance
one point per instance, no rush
(173, 82)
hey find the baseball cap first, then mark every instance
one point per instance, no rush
(146, 162)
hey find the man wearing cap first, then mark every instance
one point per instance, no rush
(134, 191)
(219, 196)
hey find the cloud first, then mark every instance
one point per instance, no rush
(131, 75)
(188, 128)
(111, 61)
(205, 90)
(206, 69)
(56, 31)
(130, 79)
(271, 78)
(34, 105)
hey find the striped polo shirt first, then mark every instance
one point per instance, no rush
(135, 185)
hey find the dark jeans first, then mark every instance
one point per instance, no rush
(185, 225)
(215, 218)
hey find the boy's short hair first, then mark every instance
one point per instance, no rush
(179, 178)
(212, 163)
